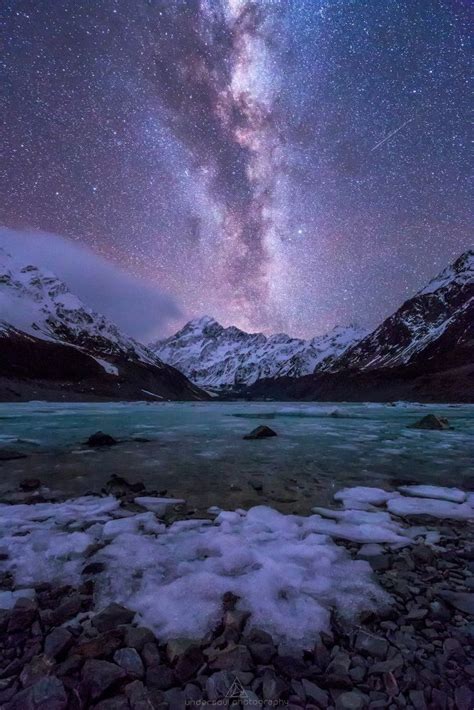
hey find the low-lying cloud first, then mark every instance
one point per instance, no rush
(138, 307)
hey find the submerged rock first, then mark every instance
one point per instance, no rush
(431, 421)
(101, 439)
(11, 454)
(261, 432)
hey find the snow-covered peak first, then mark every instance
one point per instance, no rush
(460, 272)
(36, 302)
(217, 357)
(437, 313)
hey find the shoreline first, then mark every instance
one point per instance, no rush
(417, 652)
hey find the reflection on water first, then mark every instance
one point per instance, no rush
(195, 450)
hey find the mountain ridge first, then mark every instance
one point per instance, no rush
(48, 334)
(220, 357)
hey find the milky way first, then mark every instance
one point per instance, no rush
(282, 165)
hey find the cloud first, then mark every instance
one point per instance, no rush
(138, 307)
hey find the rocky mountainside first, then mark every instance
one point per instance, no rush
(216, 357)
(48, 336)
(423, 352)
(433, 329)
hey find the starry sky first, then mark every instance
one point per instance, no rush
(283, 165)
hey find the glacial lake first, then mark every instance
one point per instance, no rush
(196, 451)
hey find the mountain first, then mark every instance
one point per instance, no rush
(51, 342)
(217, 358)
(424, 351)
(441, 313)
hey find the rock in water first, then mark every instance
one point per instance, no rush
(30, 484)
(261, 432)
(101, 439)
(10, 455)
(431, 421)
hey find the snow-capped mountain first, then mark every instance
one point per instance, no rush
(36, 302)
(433, 328)
(217, 357)
(39, 315)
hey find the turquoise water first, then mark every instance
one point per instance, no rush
(196, 449)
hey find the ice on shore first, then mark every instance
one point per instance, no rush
(455, 495)
(288, 576)
(286, 569)
(429, 506)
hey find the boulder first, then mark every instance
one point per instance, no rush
(101, 439)
(100, 676)
(113, 615)
(57, 642)
(48, 693)
(260, 432)
(431, 421)
(23, 614)
(130, 661)
(371, 644)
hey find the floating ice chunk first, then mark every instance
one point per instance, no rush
(364, 494)
(455, 495)
(158, 505)
(428, 506)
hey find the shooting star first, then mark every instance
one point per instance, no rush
(384, 140)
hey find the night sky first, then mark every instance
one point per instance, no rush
(278, 164)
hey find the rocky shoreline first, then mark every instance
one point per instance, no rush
(57, 652)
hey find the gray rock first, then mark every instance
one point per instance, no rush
(138, 636)
(464, 698)
(176, 647)
(101, 645)
(462, 601)
(37, 668)
(22, 615)
(113, 615)
(46, 694)
(352, 700)
(373, 645)
(138, 696)
(189, 664)
(439, 611)
(262, 653)
(273, 686)
(431, 421)
(151, 654)
(100, 676)
(176, 699)
(417, 699)
(118, 702)
(218, 684)
(101, 439)
(130, 661)
(260, 432)
(314, 693)
(235, 658)
(160, 677)
(57, 642)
